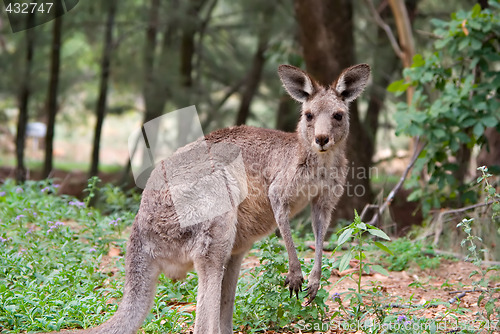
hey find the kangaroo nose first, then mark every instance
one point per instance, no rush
(322, 140)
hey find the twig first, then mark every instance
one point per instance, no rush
(390, 158)
(465, 208)
(427, 34)
(387, 29)
(463, 258)
(439, 221)
(365, 210)
(398, 186)
(395, 305)
(465, 291)
(456, 298)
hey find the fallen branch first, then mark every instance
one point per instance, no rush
(457, 298)
(418, 149)
(439, 221)
(465, 291)
(463, 257)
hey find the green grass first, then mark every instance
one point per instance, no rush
(55, 272)
(67, 166)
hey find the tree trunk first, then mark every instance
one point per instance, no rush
(23, 99)
(326, 33)
(259, 60)
(490, 153)
(103, 86)
(190, 28)
(384, 64)
(288, 114)
(153, 103)
(51, 105)
(252, 82)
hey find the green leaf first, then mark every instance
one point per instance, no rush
(379, 233)
(490, 306)
(398, 86)
(383, 247)
(415, 195)
(489, 121)
(476, 44)
(379, 269)
(344, 262)
(478, 129)
(439, 133)
(418, 60)
(346, 235)
(464, 138)
(476, 10)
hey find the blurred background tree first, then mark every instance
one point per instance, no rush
(97, 73)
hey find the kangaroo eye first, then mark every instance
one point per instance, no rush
(309, 116)
(338, 117)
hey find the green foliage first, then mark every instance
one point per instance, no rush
(455, 99)
(54, 264)
(113, 199)
(357, 230)
(263, 301)
(488, 297)
(51, 248)
(406, 252)
(491, 194)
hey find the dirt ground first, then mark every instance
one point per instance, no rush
(439, 285)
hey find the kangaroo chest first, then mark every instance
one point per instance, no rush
(323, 182)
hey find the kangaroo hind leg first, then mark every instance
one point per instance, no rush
(229, 282)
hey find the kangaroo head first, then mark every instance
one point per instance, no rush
(324, 121)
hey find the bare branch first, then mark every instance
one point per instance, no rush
(380, 22)
(466, 208)
(418, 149)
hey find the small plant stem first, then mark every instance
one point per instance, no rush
(360, 262)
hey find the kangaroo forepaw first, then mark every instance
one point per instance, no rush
(295, 283)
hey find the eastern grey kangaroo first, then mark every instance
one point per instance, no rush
(280, 174)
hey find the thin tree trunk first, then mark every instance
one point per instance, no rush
(23, 99)
(189, 31)
(252, 82)
(326, 33)
(258, 62)
(103, 86)
(385, 63)
(51, 105)
(405, 36)
(490, 153)
(190, 28)
(288, 114)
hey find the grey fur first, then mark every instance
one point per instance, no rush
(284, 172)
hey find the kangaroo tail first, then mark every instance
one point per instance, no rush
(140, 287)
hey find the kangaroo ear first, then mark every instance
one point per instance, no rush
(352, 81)
(298, 84)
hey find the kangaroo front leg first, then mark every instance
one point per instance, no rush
(231, 274)
(321, 216)
(281, 214)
